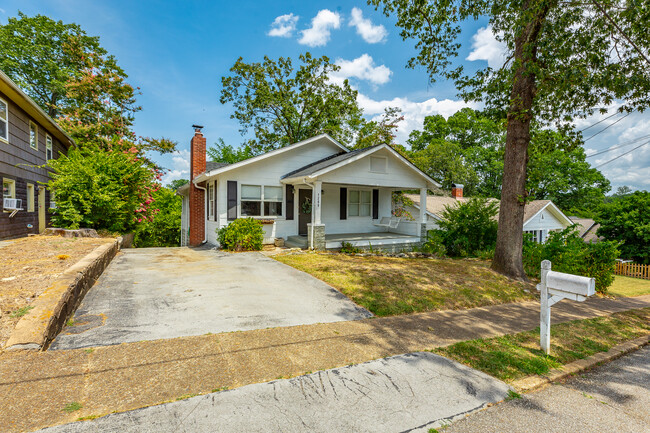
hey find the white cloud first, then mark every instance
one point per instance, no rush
(413, 112)
(363, 68)
(320, 31)
(369, 32)
(283, 26)
(3, 11)
(180, 167)
(485, 46)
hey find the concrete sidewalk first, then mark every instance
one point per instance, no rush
(402, 393)
(34, 387)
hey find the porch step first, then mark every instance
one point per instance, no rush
(296, 242)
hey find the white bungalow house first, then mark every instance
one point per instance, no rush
(540, 216)
(315, 193)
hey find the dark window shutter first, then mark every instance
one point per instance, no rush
(375, 204)
(344, 204)
(232, 200)
(216, 218)
(289, 200)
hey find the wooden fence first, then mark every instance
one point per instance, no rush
(634, 270)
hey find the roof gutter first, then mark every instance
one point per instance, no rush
(13, 92)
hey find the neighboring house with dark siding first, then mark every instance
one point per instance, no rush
(28, 139)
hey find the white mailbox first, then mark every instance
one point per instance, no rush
(554, 287)
(570, 286)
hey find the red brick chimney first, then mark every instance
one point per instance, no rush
(197, 196)
(456, 191)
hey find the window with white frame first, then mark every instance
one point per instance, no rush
(359, 203)
(4, 121)
(30, 197)
(49, 153)
(211, 200)
(536, 235)
(258, 200)
(52, 200)
(272, 201)
(33, 135)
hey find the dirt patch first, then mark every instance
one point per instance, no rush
(29, 266)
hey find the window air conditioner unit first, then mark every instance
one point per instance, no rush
(12, 204)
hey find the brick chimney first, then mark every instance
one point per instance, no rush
(456, 191)
(197, 196)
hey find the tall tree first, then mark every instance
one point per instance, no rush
(43, 55)
(283, 104)
(382, 131)
(563, 60)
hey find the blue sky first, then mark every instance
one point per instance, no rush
(177, 52)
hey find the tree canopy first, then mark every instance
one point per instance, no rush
(43, 56)
(561, 61)
(627, 219)
(283, 104)
(468, 148)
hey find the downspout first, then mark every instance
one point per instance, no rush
(205, 214)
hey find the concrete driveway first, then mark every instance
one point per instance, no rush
(154, 293)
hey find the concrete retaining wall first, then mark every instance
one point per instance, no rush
(37, 329)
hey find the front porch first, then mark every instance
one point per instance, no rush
(377, 240)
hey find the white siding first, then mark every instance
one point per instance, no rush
(544, 220)
(398, 174)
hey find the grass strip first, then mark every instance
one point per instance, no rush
(389, 286)
(627, 286)
(512, 357)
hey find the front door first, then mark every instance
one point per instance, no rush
(41, 209)
(304, 210)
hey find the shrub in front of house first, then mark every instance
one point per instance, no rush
(569, 253)
(243, 234)
(469, 228)
(434, 244)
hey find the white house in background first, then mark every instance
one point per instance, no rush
(540, 216)
(315, 193)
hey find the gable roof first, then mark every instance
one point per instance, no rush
(20, 98)
(436, 206)
(316, 166)
(587, 228)
(227, 167)
(337, 161)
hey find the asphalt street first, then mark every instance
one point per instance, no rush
(612, 398)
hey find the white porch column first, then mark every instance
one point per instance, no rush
(316, 202)
(423, 205)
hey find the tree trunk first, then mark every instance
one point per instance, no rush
(508, 253)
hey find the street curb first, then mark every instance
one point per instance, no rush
(533, 382)
(37, 329)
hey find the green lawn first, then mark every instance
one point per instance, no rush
(628, 286)
(389, 285)
(512, 357)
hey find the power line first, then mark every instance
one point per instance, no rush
(600, 121)
(618, 146)
(607, 127)
(623, 154)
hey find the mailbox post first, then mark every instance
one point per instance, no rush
(554, 287)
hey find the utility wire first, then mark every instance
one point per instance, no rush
(618, 146)
(607, 127)
(600, 121)
(623, 154)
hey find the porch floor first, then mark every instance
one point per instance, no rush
(376, 239)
